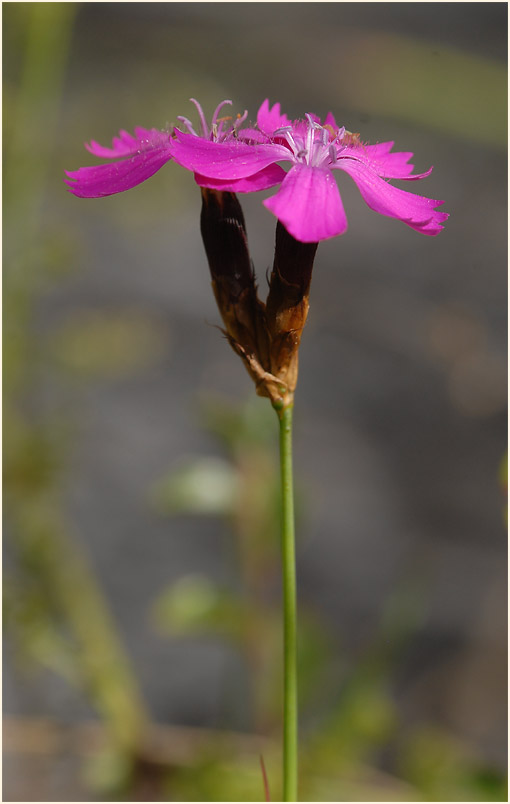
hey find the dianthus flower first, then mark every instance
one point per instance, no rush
(148, 150)
(308, 202)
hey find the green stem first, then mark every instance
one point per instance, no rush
(290, 709)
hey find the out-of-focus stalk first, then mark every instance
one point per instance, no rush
(44, 552)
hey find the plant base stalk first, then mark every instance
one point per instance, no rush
(290, 707)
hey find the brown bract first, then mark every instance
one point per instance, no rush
(266, 336)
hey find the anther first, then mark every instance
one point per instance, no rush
(240, 118)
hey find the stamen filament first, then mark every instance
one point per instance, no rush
(240, 119)
(217, 110)
(205, 127)
(286, 133)
(188, 125)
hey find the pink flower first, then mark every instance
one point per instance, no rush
(145, 153)
(308, 202)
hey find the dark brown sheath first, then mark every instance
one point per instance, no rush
(266, 336)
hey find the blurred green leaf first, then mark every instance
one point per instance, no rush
(108, 773)
(194, 604)
(32, 455)
(207, 486)
(37, 638)
(362, 719)
(442, 768)
(240, 427)
(232, 779)
(44, 32)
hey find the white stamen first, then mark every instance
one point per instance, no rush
(286, 133)
(317, 146)
(310, 135)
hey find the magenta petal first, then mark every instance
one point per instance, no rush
(268, 177)
(252, 135)
(330, 121)
(411, 176)
(378, 149)
(115, 177)
(123, 145)
(269, 119)
(309, 204)
(127, 145)
(226, 160)
(432, 227)
(394, 166)
(389, 165)
(417, 211)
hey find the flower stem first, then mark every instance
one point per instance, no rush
(290, 710)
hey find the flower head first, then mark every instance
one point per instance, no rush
(308, 202)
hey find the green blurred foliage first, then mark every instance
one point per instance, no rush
(55, 613)
(194, 605)
(443, 768)
(203, 486)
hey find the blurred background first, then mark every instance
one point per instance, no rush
(142, 655)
